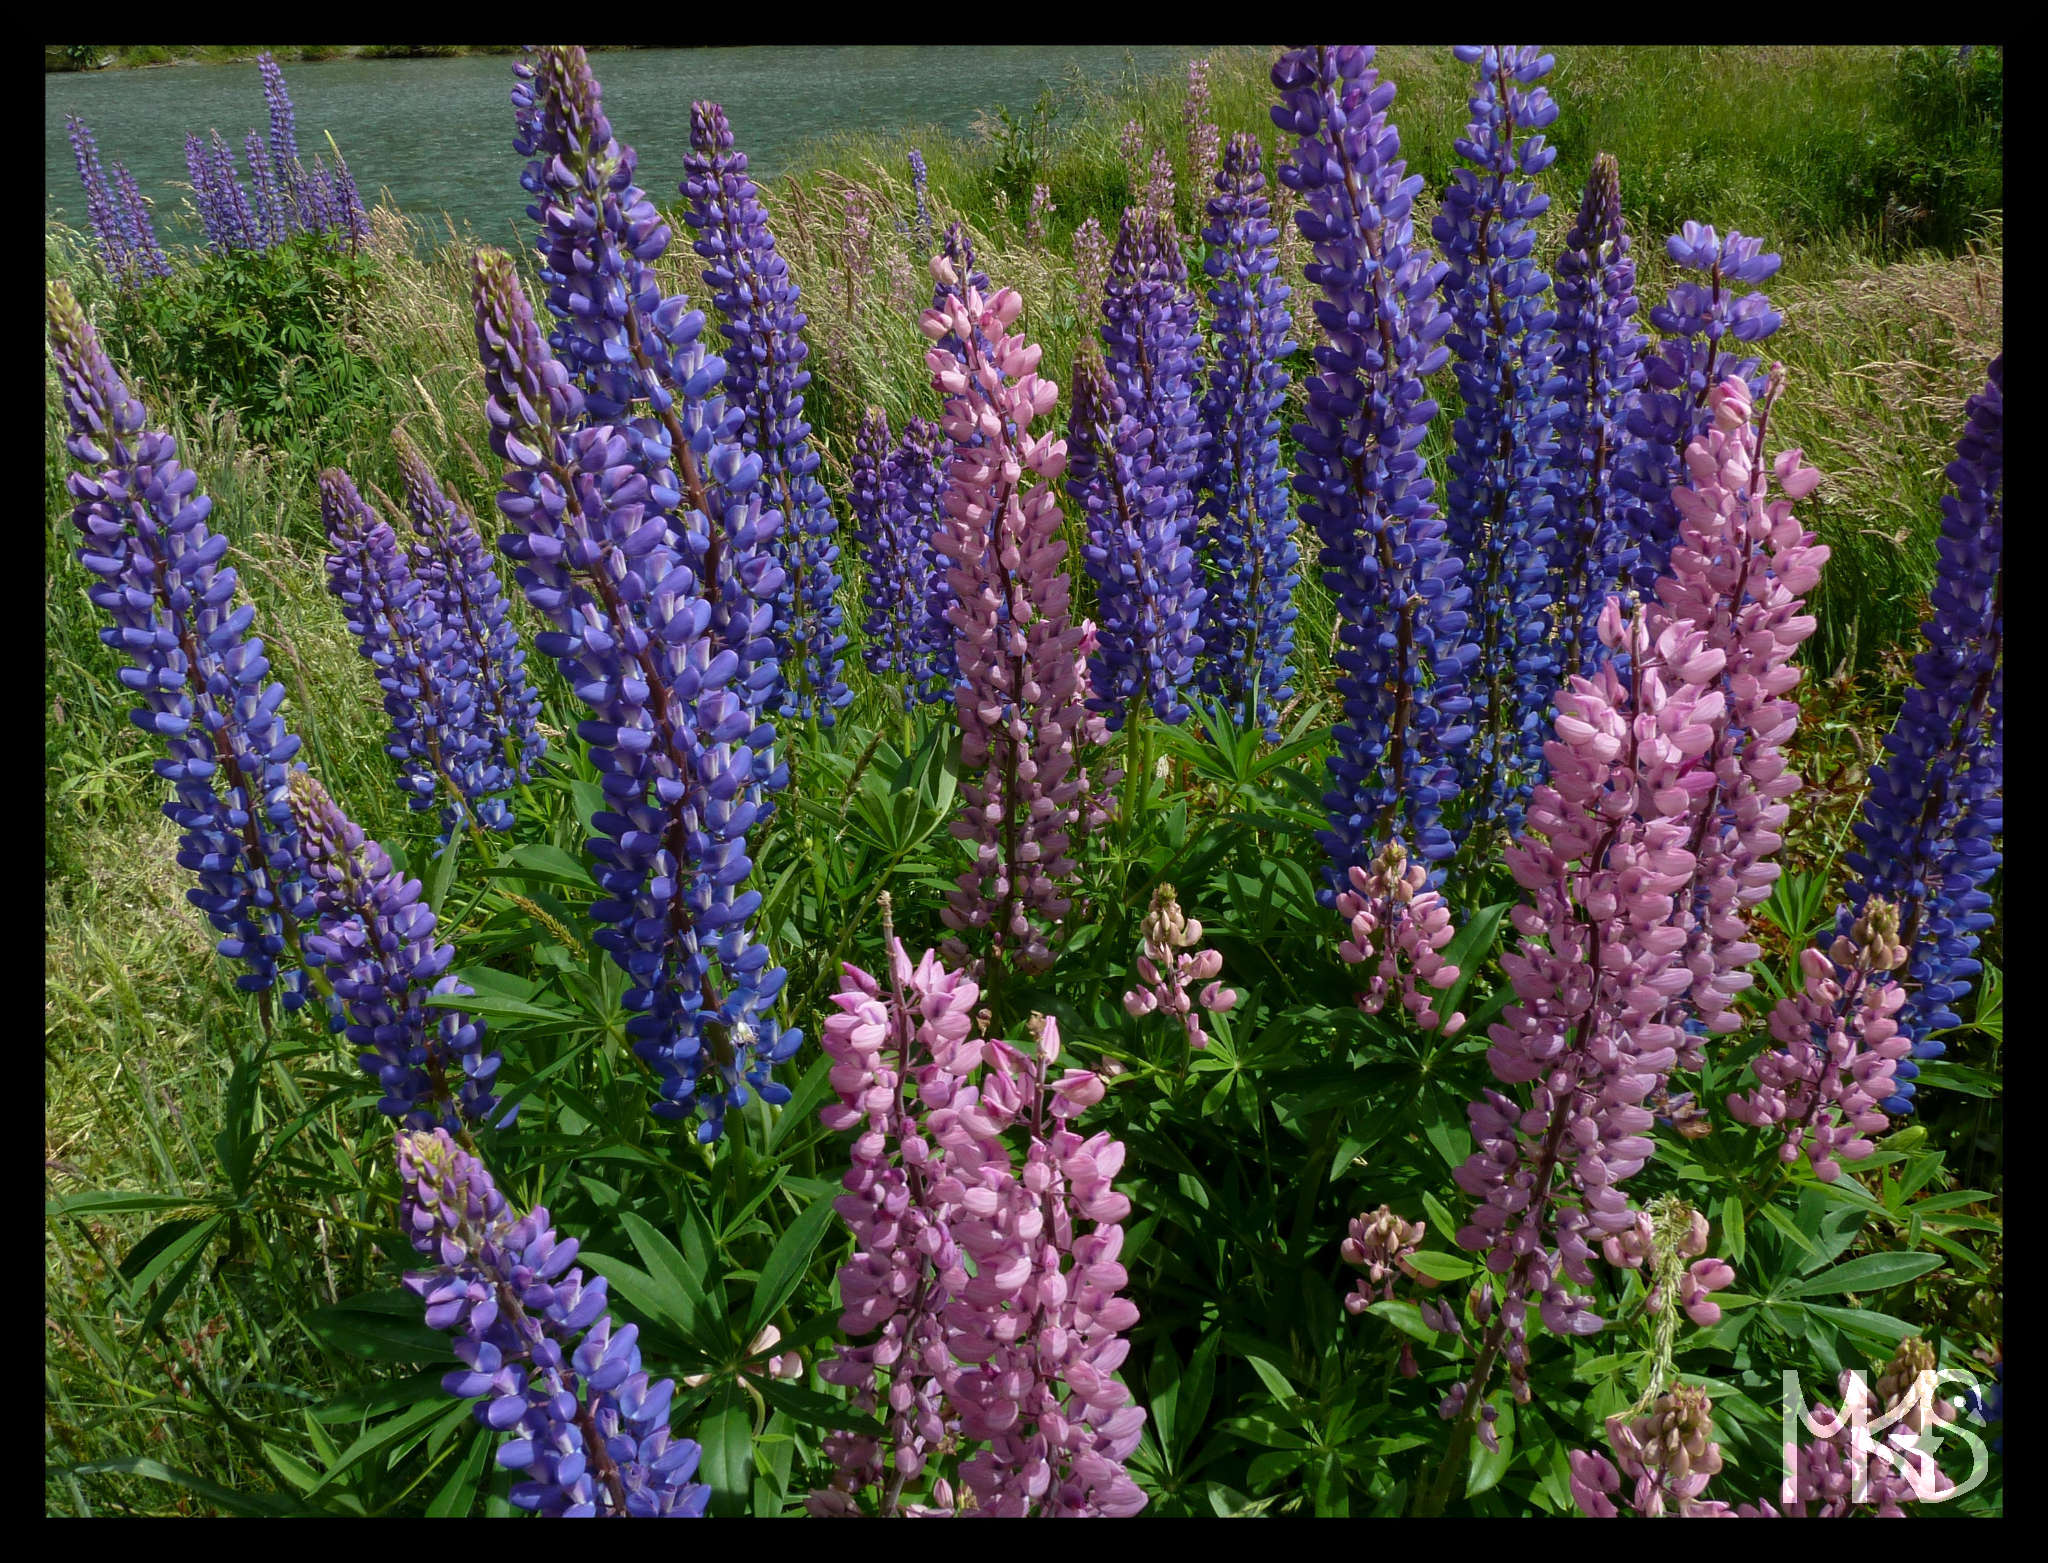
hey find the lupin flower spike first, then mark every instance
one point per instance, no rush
(1927, 839)
(1599, 365)
(1017, 699)
(373, 938)
(1247, 626)
(1498, 504)
(1166, 971)
(1362, 481)
(199, 673)
(765, 379)
(592, 1436)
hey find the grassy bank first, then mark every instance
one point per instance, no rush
(136, 56)
(1890, 321)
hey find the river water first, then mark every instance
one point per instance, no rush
(437, 134)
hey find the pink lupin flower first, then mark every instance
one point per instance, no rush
(1392, 896)
(1167, 972)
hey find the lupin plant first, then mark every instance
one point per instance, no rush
(1147, 585)
(145, 254)
(1017, 695)
(371, 937)
(1363, 486)
(121, 228)
(633, 634)
(442, 735)
(1598, 359)
(536, 1342)
(920, 177)
(1634, 927)
(1205, 140)
(239, 228)
(639, 360)
(1670, 409)
(1166, 972)
(1927, 838)
(765, 378)
(475, 639)
(198, 671)
(895, 502)
(1498, 504)
(1247, 529)
(1014, 1363)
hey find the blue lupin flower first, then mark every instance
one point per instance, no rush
(1928, 836)
(144, 253)
(765, 378)
(372, 937)
(1497, 504)
(1400, 602)
(198, 672)
(894, 496)
(1248, 619)
(919, 177)
(103, 206)
(439, 732)
(1599, 363)
(284, 138)
(273, 206)
(536, 1340)
(671, 735)
(239, 227)
(477, 639)
(1671, 411)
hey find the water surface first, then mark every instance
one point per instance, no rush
(437, 134)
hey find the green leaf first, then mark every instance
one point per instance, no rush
(1441, 1266)
(1405, 1317)
(786, 1265)
(444, 872)
(676, 1282)
(379, 1327)
(412, 1424)
(1197, 1389)
(453, 1501)
(807, 1405)
(726, 1435)
(263, 1504)
(1869, 1273)
(117, 1202)
(1864, 1321)
(542, 863)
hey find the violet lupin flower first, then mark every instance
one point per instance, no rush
(1364, 487)
(1613, 960)
(214, 215)
(1041, 208)
(1671, 410)
(477, 640)
(198, 672)
(1091, 264)
(1017, 699)
(1599, 363)
(372, 936)
(592, 1433)
(1136, 552)
(757, 300)
(1248, 531)
(1497, 505)
(640, 362)
(895, 502)
(347, 202)
(632, 634)
(919, 178)
(1927, 838)
(238, 222)
(273, 206)
(145, 254)
(103, 208)
(284, 139)
(431, 700)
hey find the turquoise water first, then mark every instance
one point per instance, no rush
(437, 134)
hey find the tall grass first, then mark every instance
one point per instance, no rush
(1876, 172)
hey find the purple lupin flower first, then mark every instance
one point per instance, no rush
(102, 207)
(1364, 487)
(1927, 840)
(284, 139)
(144, 253)
(206, 196)
(347, 202)
(633, 634)
(757, 299)
(1670, 411)
(919, 177)
(1599, 363)
(273, 208)
(479, 640)
(372, 937)
(592, 1433)
(895, 499)
(238, 222)
(1497, 505)
(440, 734)
(1248, 620)
(198, 672)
